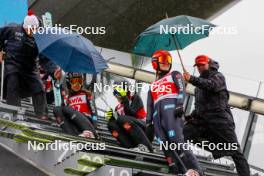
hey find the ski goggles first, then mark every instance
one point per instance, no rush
(75, 81)
(165, 59)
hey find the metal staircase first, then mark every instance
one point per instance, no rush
(48, 160)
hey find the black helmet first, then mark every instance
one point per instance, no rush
(72, 75)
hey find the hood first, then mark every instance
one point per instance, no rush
(214, 65)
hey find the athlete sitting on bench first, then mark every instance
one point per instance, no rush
(128, 125)
(79, 116)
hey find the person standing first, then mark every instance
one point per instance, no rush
(212, 119)
(165, 110)
(21, 74)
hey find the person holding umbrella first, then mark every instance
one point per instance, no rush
(21, 78)
(212, 119)
(165, 109)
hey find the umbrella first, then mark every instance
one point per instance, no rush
(71, 51)
(172, 34)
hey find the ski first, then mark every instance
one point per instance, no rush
(31, 131)
(22, 137)
(7, 134)
(114, 161)
(77, 172)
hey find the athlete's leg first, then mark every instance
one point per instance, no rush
(163, 143)
(79, 120)
(174, 132)
(135, 131)
(63, 122)
(120, 135)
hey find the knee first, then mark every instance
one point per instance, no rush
(115, 134)
(127, 126)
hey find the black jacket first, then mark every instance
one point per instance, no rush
(21, 58)
(133, 108)
(211, 94)
(21, 50)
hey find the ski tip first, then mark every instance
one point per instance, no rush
(77, 172)
(90, 163)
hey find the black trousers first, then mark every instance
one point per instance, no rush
(199, 130)
(130, 132)
(72, 121)
(13, 96)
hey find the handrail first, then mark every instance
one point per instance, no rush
(236, 99)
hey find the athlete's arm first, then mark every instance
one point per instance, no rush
(92, 106)
(150, 109)
(180, 84)
(136, 105)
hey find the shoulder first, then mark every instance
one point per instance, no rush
(218, 75)
(176, 74)
(136, 97)
(13, 28)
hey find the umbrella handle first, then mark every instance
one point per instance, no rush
(183, 68)
(178, 52)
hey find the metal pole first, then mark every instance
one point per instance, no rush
(2, 79)
(178, 52)
(250, 129)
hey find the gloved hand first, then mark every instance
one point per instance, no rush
(109, 114)
(94, 118)
(188, 118)
(178, 111)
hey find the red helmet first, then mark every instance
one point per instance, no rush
(201, 60)
(160, 56)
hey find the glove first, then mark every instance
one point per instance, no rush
(94, 118)
(109, 114)
(178, 111)
(188, 118)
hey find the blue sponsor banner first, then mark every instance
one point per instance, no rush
(12, 11)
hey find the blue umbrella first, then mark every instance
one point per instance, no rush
(72, 52)
(169, 34)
